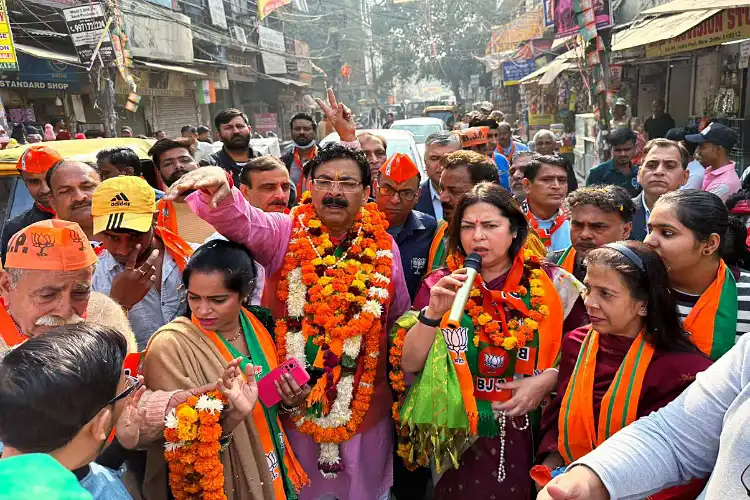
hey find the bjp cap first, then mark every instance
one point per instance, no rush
(50, 245)
(38, 159)
(123, 202)
(473, 136)
(399, 168)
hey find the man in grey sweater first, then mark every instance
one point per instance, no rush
(702, 433)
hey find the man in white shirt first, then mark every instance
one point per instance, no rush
(696, 172)
(437, 146)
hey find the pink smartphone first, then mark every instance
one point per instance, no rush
(267, 392)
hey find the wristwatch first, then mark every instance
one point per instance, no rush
(434, 323)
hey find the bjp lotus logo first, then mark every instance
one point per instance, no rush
(494, 362)
(457, 340)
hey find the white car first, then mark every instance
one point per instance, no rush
(422, 128)
(399, 141)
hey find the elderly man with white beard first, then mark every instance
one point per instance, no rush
(47, 283)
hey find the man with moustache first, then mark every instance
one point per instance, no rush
(141, 267)
(303, 130)
(173, 159)
(506, 146)
(462, 171)
(598, 215)
(47, 283)
(71, 184)
(517, 168)
(396, 193)
(234, 132)
(546, 184)
(32, 167)
(375, 148)
(437, 146)
(664, 169)
(266, 184)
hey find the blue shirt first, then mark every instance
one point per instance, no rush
(503, 168)
(414, 239)
(560, 239)
(437, 205)
(104, 484)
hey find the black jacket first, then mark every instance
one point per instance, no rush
(640, 228)
(424, 204)
(19, 222)
(222, 159)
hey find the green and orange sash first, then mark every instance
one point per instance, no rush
(482, 366)
(712, 323)
(545, 235)
(567, 260)
(438, 249)
(288, 475)
(578, 433)
(178, 248)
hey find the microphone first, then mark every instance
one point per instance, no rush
(472, 264)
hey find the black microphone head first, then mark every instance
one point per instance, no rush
(473, 261)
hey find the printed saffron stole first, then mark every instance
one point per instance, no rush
(291, 478)
(567, 260)
(481, 366)
(166, 216)
(438, 249)
(544, 234)
(178, 248)
(578, 433)
(712, 323)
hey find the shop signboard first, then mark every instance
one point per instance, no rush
(216, 9)
(8, 59)
(513, 71)
(527, 26)
(303, 50)
(567, 12)
(265, 122)
(272, 43)
(155, 83)
(85, 25)
(729, 25)
(155, 37)
(291, 61)
(242, 66)
(43, 74)
(549, 13)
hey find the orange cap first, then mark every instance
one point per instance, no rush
(473, 136)
(50, 245)
(399, 168)
(37, 159)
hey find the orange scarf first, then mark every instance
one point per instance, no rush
(712, 322)
(167, 218)
(178, 248)
(578, 433)
(568, 260)
(545, 235)
(437, 254)
(9, 330)
(293, 468)
(510, 155)
(302, 183)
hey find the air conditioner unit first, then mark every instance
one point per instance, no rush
(239, 34)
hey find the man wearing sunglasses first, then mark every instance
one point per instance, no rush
(61, 394)
(396, 193)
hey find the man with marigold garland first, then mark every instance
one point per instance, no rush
(340, 287)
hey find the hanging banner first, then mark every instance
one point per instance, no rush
(568, 18)
(265, 7)
(528, 26)
(85, 25)
(729, 25)
(8, 59)
(274, 62)
(513, 71)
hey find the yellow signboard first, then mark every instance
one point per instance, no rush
(729, 25)
(528, 26)
(8, 60)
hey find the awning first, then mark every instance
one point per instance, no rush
(547, 73)
(563, 42)
(660, 28)
(693, 5)
(170, 67)
(286, 81)
(46, 54)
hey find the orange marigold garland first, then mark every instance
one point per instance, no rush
(192, 449)
(338, 303)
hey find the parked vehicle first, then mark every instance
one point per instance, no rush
(445, 113)
(421, 128)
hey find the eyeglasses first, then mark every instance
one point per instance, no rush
(405, 195)
(132, 384)
(327, 185)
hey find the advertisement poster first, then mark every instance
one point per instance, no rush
(265, 122)
(8, 60)
(729, 25)
(272, 41)
(85, 25)
(565, 15)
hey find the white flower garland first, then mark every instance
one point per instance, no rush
(297, 293)
(330, 454)
(352, 346)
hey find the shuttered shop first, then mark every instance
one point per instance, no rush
(173, 113)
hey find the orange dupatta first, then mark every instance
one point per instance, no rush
(294, 470)
(166, 218)
(178, 248)
(436, 261)
(568, 260)
(578, 433)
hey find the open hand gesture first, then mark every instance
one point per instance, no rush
(242, 393)
(340, 117)
(128, 425)
(211, 179)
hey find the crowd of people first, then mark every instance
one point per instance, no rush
(600, 352)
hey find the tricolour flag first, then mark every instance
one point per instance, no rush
(206, 92)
